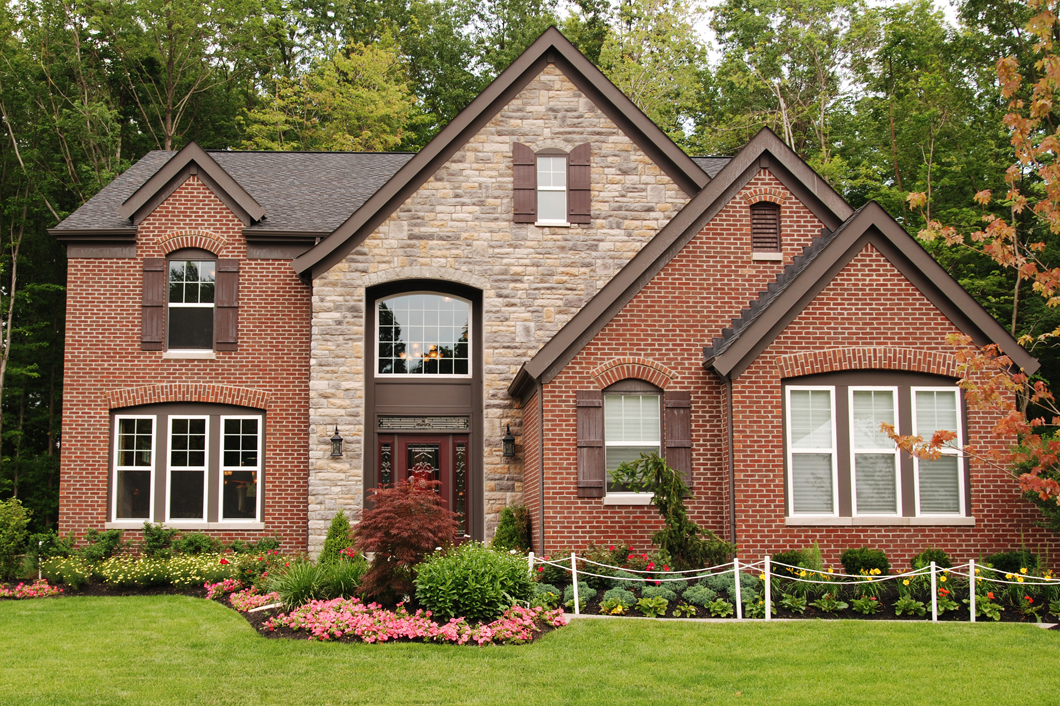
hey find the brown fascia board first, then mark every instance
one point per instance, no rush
(176, 170)
(765, 150)
(95, 235)
(264, 235)
(872, 225)
(551, 47)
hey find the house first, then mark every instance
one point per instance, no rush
(551, 263)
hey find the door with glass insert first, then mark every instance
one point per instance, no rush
(442, 458)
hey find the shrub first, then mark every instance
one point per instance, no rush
(13, 534)
(658, 592)
(585, 594)
(625, 579)
(46, 545)
(73, 571)
(546, 594)
(724, 583)
(700, 595)
(343, 578)
(134, 572)
(406, 523)
(100, 545)
(1011, 562)
(265, 544)
(856, 560)
(195, 543)
(158, 540)
(188, 570)
(792, 557)
(299, 583)
(257, 569)
(924, 558)
(622, 597)
(558, 575)
(472, 581)
(513, 530)
(601, 555)
(338, 539)
(652, 607)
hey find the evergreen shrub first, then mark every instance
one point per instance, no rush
(338, 538)
(472, 581)
(513, 530)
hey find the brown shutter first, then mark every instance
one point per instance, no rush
(153, 303)
(591, 471)
(765, 227)
(678, 432)
(579, 197)
(524, 185)
(226, 306)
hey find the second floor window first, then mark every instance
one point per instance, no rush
(191, 304)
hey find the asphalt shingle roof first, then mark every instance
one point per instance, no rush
(711, 165)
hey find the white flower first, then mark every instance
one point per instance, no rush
(511, 551)
(437, 549)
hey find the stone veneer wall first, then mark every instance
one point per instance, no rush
(458, 227)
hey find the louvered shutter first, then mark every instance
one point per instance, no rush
(524, 185)
(591, 471)
(765, 227)
(678, 432)
(226, 306)
(579, 197)
(153, 304)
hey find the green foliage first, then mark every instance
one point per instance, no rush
(663, 591)
(1012, 561)
(556, 573)
(724, 583)
(300, 583)
(792, 557)
(686, 543)
(197, 543)
(864, 559)
(73, 571)
(867, 605)
(931, 554)
(687, 610)
(13, 521)
(585, 594)
(100, 545)
(829, 603)
(192, 571)
(158, 540)
(472, 581)
(133, 572)
(45, 545)
(700, 595)
(621, 596)
(720, 608)
(343, 578)
(338, 538)
(653, 607)
(547, 595)
(909, 606)
(626, 579)
(513, 530)
(263, 545)
(794, 602)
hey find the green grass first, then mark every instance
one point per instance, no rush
(180, 650)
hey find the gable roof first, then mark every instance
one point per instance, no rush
(550, 48)
(797, 285)
(765, 150)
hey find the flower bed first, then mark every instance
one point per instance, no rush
(38, 589)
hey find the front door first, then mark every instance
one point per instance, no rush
(432, 457)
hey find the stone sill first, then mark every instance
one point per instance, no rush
(767, 257)
(546, 224)
(628, 499)
(189, 355)
(868, 521)
(230, 526)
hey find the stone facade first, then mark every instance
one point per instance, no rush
(458, 227)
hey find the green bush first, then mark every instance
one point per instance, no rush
(856, 560)
(558, 575)
(13, 534)
(338, 539)
(724, 583)
(196, 543)
(791, 557)
(625, 579)
(72, 571)
(621, 595)
(100, 545)
(931, 554)
(194, 570)
(472, 581)
(46, 545)
(700, 595)
(343, 578)
(513, 530)
(1011, 562)
(134, 572)
(158, 540)
(546, 594)
(663, 591)
(585, 594)
(265, 544)
(299, 583)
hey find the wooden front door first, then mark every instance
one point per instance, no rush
(434, 457)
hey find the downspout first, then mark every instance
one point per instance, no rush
(732, 463)
(541, 457)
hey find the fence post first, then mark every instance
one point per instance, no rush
(768, 590)
(934, 597)
(574, 576)
(739, 598)
(971, 588)
(40, 546)
(530, 564)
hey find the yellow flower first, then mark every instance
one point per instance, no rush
(802, 574)
(977, 572)
(905, 582)
(1020, 579)
(761, 577)
(1008, 576)
(942, 579)
(1023, 571)
(829, 569)
(876, 572)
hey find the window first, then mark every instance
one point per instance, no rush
(765, 227)
(552, 187)
(202, 482)
(631, 427)
(840, 464)
(191, 304)
(423, 334)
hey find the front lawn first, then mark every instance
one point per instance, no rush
(177, 649)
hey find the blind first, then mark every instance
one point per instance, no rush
(876, 487)
(935, 410)
(810, 417)
(940, 486)
(811, 479)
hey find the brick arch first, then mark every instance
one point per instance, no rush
(867, 358)
(188, 392)
(641, 368)
(765, 193)
(442, 274)
(202, 239)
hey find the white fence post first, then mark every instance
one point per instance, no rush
(971, 588)
(768, 590)
(530, 564)
(574, 576)
(934, 596)
(739, 600)
(40, 546)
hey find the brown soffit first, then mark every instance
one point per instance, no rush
(871, 225)
(216, 178)
(550, 48)
(765, 150)
(99, 235)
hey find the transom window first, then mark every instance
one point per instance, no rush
(423, 334)
(631, 428)
(552, 189)
(191, 304)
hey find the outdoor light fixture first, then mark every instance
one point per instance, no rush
(336, 444)
(508, 443)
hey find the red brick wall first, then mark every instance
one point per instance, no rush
(103, 357)
(531, 469)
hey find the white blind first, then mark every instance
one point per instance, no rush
(875, 460)
(631, 419)
(876, 488)
(935, 410)
(939, 486)
(811, 419)
(812, 451)
(871, 409)
(811, 479)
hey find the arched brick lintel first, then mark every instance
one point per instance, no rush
(188, 392)
(867, 358)
(641, 368)
(765, 193)
(202, 239)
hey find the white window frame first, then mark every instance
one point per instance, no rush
(948, 450)
(205, 468)
(181, 305)
(133, 521)
(429, 376)
(790, 451)
(626, 497)
(564, 189)
(876, 451)
(222, 468)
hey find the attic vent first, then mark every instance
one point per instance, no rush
(765, 227)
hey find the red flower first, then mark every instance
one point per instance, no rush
(1029, 599)
(990, 595)
(871, 598)
(223, 560)
(611, 548)
(943, 592)
(665, 567)
(630, 556)
(540, 568)
(651, 565)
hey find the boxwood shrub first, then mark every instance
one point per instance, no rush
(472, 581)
(931, 554)
(700, 595)
(856, 560)
(662, 591)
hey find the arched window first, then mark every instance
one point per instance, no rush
(423, 333)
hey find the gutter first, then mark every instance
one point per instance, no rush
(541, 456)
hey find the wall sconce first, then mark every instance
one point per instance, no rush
(508, 443)
(336, 444)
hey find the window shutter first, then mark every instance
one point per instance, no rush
(591, 472)
(678, 432)
(226, 306)
(579, 201)
(524, 185)
(765, 227)
(153, 303)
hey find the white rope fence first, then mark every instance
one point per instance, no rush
(767, 572)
